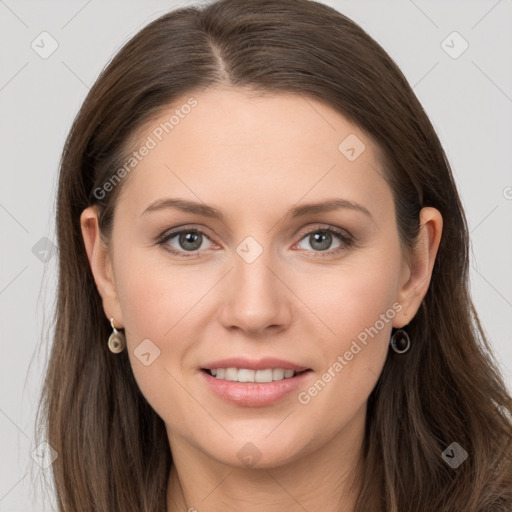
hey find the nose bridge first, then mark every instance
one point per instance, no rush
(253, 260)
(256, 297)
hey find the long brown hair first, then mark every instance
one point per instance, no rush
(113, 452)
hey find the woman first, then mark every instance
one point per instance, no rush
(263, 295)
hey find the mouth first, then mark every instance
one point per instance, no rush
(233, 374)
(247, 387)
(254, 382)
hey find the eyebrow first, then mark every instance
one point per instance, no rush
(297, 211)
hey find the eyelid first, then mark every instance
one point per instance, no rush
(169, 233)
(326, 227)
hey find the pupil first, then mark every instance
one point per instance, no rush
(190, 238)
(325, 240)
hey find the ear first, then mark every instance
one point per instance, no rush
(101, 265)
(417, 271)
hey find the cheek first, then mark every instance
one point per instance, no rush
(155, 306)
(350, 299)
(153, 294)
(358, 305)
(143, 298)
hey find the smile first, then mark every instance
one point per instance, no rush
(251, 392)
(247, 375)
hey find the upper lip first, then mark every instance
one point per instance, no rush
(253, 364)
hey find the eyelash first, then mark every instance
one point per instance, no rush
(345, 238)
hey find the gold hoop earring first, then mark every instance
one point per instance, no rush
(116, 341)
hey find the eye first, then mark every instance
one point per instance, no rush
(187, 240)
(321, 239)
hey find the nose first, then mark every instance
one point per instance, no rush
(255, 296)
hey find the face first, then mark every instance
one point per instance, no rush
(266, 284)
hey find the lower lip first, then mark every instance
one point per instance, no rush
(254, 394)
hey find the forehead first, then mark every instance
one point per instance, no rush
(236, 145)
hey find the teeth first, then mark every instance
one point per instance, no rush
(231, 374)
(278, 374)
(245, 375)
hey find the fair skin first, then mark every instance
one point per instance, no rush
(254, 157)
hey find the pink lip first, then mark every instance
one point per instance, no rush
(261, 364)
(251, 394)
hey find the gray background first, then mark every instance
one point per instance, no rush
(468, 99)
